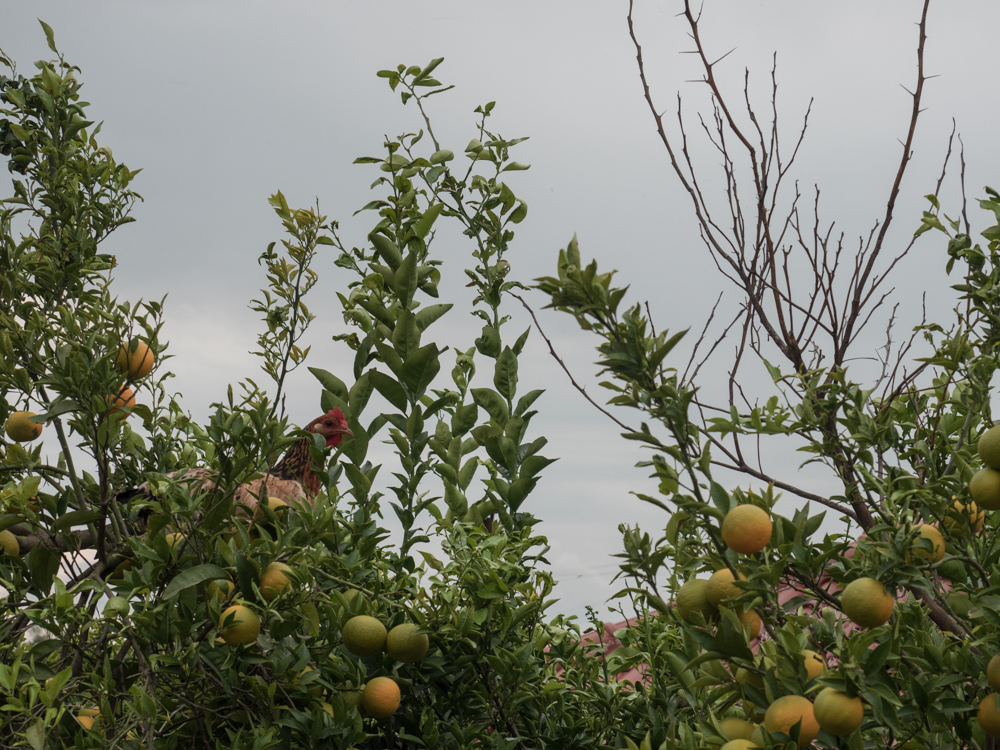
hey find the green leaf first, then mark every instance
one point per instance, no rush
(391, 390)
(312, 615)
(464, 419)
(405, 334)
(488, 344)
(426, 71)
(420, 369)
(331, 382)
(35, 734)
(405, 279)
(518, 214)
(44, 565)
(427, 315)
(426, 221)
(505, 373)
(50, 37)
(192, 577)
(75, 518)
(493, 403)
(387, 249)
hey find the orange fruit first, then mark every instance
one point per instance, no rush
(989, 447)
(751, 623)
(363, 635)
(993, 672)
(720, 586)
(989, 714)
(739, 744)
(20, 428)
(275, 580)
(124, 400)
(964, 516)
(746, 529)
(8, 543)
(693, 597)
(239, 625)
(135, 359)
(380, 698)
(404, 643)
(985, 488)
(931, 534)
(788, 711)
(814, 663)
(866, 602)
(837, 712)
(219, 589)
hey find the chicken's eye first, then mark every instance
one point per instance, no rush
(328, 423)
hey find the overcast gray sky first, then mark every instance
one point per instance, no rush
(223, 103)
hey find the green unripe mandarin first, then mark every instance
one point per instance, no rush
(693, 597)
(736, 729)
(989, 715)
(985, 488)
(867, 603)
(993, 672)
(740, 744)
(364, 635)
(838, 713)
(721, 586)
(989, 447)
(8, 543)
(239, 625)
(404, 643)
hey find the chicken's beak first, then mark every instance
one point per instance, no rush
(347, 431)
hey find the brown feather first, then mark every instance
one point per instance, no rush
(292, 478)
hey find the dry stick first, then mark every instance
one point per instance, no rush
(562, 364)
(856, 302)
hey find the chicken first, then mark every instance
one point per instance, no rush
(292, 478)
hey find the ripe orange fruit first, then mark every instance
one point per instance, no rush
(124, 400)
(135, 359)
(814, 663)
(720, 586)
(219, 589)
(985, 488)
(964, 516)
(20, 428)
(239, 625)
(993, 672)
(746, 529)
(788, 711)
(380, 698)
(989, 447)
(932, 535)
(363, 635)
(8, 543)
(275, 580)
(693, 597)
(837, 712)
(989, 714)
(404, 643)
(866, 602)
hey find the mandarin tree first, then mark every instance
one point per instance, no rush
(875, 559)
(140, 596)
